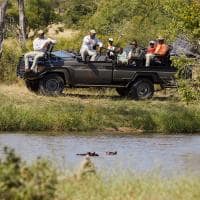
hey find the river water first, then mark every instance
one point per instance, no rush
(166, 154)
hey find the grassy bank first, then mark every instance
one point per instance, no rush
(41, 181)
(88, 110)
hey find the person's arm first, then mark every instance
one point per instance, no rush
(86, 41)
(98, 43)
(139, 52)
(164, 51)
(130, 55)
(51, 40)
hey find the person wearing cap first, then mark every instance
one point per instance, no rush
(40, 45)
(110, 48)
(152, 47)
(136, 53)
(160, 51)
(150, 52)
(90, 42)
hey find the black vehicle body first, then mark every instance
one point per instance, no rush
(62, 69)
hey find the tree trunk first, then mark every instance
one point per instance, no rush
(3, 7)
(22, 25)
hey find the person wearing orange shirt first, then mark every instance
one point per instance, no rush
(161, 50)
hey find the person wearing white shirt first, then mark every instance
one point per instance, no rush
(39, 46)
(89, 46)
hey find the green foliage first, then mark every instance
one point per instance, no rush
(189, 89)
(75, 12)
(188, 92)
(20, 181)
(40, 13)
(185, 17)
(70, 44)
(8, 61)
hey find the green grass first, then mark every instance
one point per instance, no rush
(132, 188)
(41, 181)
(92, 110)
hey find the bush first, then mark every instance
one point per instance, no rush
(9, 60)
(189, 89)
(20, 181)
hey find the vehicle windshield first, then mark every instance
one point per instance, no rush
(64, 54)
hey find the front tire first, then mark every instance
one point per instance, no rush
(141, 90)
(122, 91)
(51, 85)
(32, 85)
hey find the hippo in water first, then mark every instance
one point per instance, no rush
(111, 153)
(87, 154)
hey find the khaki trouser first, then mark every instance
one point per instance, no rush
(149, 57)
(37, 55)
(84, 52)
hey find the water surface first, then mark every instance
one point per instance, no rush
(169, 154)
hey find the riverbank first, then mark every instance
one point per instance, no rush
(41, 180)
(93, 110)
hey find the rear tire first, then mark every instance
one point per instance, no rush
(141, 90)
(51, 85)
(32, 85)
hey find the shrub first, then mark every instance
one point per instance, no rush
(20, 181)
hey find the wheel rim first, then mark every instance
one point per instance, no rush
(143, 90)
(52, 85)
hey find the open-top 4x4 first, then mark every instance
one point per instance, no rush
(60, 69)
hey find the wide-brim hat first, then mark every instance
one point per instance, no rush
(110, 39)
(161, 38)
(133, 43)
(93, 31)
(40, 32)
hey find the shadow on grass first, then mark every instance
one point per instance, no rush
(165, 98)
(93, 96)
(115, 97)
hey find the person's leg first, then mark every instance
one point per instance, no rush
(93, 55)
(149, 57)
(84, 53)
(26, 56)
(36, 58)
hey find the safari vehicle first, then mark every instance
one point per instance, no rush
(60, 69)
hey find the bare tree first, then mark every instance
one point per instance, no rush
(22, 24)
(3, 7)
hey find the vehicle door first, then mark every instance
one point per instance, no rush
(93, 73)
(123, 73)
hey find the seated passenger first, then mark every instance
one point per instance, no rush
(90, 42)
(150, 52)
(160, 51)
(121, 56)
(110, 48)
(39, 46)
(136, 54)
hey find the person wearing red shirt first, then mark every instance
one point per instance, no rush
(152, 47)
(150, 52)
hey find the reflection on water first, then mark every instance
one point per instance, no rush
(170, 154)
